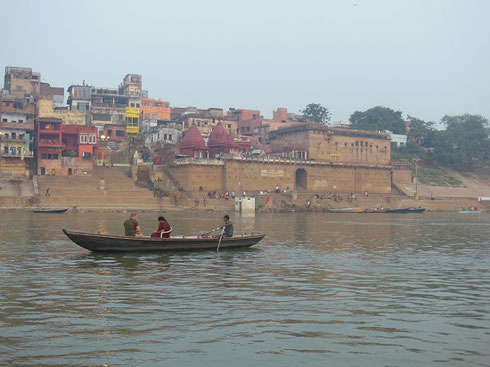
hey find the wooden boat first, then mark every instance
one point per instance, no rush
(108, 243)
(470, 212)
(398, 211)
(50, 211)
(416, 210)
(375, 210)
(347, 210)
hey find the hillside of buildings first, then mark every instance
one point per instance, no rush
(117, 148)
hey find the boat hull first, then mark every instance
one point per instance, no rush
(347, 210)
(50, 211)
(470, 212)
(107, 243)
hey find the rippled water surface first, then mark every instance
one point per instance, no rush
(320, 289)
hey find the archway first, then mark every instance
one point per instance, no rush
(301, 179)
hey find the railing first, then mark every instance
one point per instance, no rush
(50, 143)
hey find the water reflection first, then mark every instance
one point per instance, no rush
(356, 289)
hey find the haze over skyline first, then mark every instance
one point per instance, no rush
(425, 58)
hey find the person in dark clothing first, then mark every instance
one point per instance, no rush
(131, 226)
(163, 230)
(47, 194)
(228, 227)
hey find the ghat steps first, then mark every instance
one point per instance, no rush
(84, 192)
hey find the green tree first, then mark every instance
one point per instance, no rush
(317, 113)
(464, 144)
(420, 131)
(378, 119)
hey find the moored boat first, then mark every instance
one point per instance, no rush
(50, 211)
(109, 243)
(416, 210)
(375, 210)
(347, 210)
(398, 210)
(470, 212)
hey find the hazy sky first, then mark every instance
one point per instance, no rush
(426, 58)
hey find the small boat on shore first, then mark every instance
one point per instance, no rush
(50, 211)
(398, 210)
(470, 212)
(416, 210)
(108, 243)
(347, 210)
(375, 210)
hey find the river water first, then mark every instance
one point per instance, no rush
(320, 289)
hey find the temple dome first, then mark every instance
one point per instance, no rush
(193, 139)
(219, 137)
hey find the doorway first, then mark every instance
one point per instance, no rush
(301, 179)
(70, 171)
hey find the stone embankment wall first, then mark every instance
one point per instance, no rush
(255, 175)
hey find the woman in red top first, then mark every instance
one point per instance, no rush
(163, 230)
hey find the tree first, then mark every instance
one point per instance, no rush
(420, 131)
(317, 113)
(464, 144)
(378, 119)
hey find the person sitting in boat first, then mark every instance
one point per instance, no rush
(163, 230)
(132, 227)
(228, 227)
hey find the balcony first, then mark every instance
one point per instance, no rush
(28, 126)
(10, 155)
(45, 143)
(10, 139)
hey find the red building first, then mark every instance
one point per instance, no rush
(65, 150)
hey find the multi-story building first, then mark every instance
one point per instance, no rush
(206, 120)
(240, 114)
(160, 132)
(132, 120)
(155, 109)
(22, 82)
(65, 150)
(108, 106)
(50, 104)
(131, 87)
(16, 136)
(49, 146)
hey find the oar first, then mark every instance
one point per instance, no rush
(214, 230)
(220, 238)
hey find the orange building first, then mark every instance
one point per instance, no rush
(155, 109)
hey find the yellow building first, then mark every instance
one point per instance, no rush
(132, 120)
(69, 117)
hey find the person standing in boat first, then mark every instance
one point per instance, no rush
(131, 226)
(163, 230)
(228, 227)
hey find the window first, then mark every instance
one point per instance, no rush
(83, 138)
(169, 137)
(362, 143)
(138, 105)
(4, 120)
(119, 133)
(14, 136)
(87, 155)
(55, 156)
(44, 156)
(50, 156)
(164, 136)
(20, 120)
(92, 139)
(109, 132)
